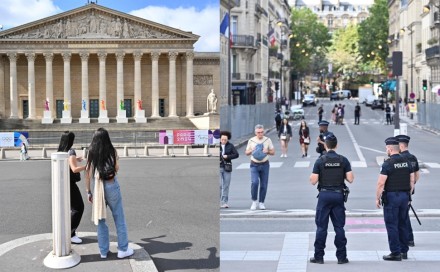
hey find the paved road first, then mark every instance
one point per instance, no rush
(281, 237)
(170, 205)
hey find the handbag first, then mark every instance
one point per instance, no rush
(226, 165)
(307, 140)
(283, 137)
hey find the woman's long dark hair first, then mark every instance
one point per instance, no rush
(101, 152)
(66, 141)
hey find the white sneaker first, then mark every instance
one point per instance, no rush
(123, 254)
(225, 205)
(285, 155)
(76, 240)
(282, 155)
(261, 206)
(104, 256)
(254, 205)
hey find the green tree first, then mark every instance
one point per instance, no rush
(373, 35)
(310, 39)
(344, 51)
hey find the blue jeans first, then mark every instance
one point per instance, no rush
(225, 180)
(113, 199)
(395, 214)
(330, 204)
(259, 176)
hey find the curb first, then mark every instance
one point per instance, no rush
(143, 261)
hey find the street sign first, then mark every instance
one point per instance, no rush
(412, 95)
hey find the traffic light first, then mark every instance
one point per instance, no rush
(424, 85)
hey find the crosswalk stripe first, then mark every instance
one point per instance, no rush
(302, 164)
(432, 164)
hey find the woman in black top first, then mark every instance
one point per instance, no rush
(284, 135)
(304, 138)
(227, 153)
(76, 201)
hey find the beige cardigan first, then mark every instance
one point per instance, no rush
(99, 210)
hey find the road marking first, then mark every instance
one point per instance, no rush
(356, 146)
(432, 164)
(423, 171)
(358, 164)
(247, 165)
(371, 149)
(302, 164)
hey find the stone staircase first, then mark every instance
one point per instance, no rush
(153, 124)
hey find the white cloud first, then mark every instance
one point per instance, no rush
(205, 23)
(17, 12)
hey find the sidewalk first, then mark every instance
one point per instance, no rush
(291, 251)
(27, 254)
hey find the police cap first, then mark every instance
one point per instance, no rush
(391, 141)
(323, 123)
(330, 137)
(403, 138)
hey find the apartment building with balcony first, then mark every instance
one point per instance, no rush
(335, 14)
(254, 72)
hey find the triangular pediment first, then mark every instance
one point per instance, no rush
(95, 22)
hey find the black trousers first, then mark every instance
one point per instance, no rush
(76, 207)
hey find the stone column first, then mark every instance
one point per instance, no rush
(172, 55)
(121, 113)
(137, 79)
(85, 107)
(13, 84)
(189, 84)
(155, 84)
(48, 117)
(31, 84)
(67, 116)
(102, 89)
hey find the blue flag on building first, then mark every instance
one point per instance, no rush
(225, 24)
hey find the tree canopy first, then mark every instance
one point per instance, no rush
(310, 39)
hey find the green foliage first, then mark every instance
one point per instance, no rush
(312, 38)
(373, 34)
(344, 52)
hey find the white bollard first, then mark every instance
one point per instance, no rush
(2, 154)
(125, 151)
(206, 151)
(185, 150)
(403, 129)
(44, 153)
(165, 151)
(146, 151)
(84, 153)
(62, 256)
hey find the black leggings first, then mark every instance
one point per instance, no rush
(76, 207)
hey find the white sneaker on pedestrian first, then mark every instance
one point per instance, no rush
(76, 240)
(225, 205)
(104, 256)
(261, 206)
(282, 155)
(285, 155)
(123, 254)
(254, 205)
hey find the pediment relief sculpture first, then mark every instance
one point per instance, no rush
(93, 25)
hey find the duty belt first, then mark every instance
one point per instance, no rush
(331, 190)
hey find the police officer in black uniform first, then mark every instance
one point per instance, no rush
(394, 186)
(323, 131)
(330, 171)
(403, 146)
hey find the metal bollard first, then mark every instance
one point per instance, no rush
(2, 154)
(125, 151)
(185, 150)
(146, 151)
(44, 153)
(84, 153)
(62, 256)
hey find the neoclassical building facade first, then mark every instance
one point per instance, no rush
(95, 62)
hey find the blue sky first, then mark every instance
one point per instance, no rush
(177, 14)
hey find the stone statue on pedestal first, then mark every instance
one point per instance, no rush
(211, 102)
(121, 105)
(46, 104)
(102, 105)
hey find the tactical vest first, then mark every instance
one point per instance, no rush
(411, 158)
(399, 179)
(332, 173)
